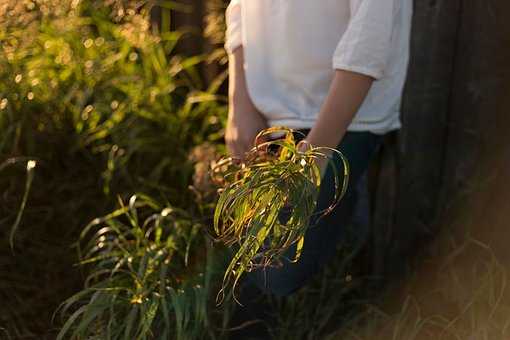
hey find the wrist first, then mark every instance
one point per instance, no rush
(325, 136)
(321, 162)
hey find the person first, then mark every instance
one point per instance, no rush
(334, 69)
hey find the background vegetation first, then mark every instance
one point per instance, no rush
(106, 110)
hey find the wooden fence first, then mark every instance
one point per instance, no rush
(454, 116)
(455, 112)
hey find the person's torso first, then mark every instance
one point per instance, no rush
(288, 47)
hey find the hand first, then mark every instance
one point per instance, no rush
(243, 124)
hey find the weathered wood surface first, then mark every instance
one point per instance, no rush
(421, 143)
(480, 108)
(477, 172)
(455, 113)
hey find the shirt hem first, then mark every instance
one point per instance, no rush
(358, 69)
(376, 128)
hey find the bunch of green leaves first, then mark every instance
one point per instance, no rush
(149, 276)
(269, 200)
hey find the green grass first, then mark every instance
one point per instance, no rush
(150, 271)
(105, 108)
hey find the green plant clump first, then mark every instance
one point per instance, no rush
(95, 96)
(275, 179)
(149, 278)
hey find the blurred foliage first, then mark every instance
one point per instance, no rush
(105, 108)
(214, 29)
(116, 89)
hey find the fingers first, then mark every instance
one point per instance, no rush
(304, 145)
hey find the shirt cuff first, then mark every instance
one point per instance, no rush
(367, 71)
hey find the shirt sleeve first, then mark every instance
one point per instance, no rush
(365, 46)
(233, 35)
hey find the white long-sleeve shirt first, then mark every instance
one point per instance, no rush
(292, 48)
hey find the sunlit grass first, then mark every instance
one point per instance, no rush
(465, 296)
(106, 107)
(28, 184)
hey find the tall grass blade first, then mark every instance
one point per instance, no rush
(31, 164)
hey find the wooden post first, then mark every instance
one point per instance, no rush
(422, 140)
(480, 106)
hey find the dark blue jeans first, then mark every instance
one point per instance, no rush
(322, 239)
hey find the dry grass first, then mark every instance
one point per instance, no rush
(460, 291)
(458, 301)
